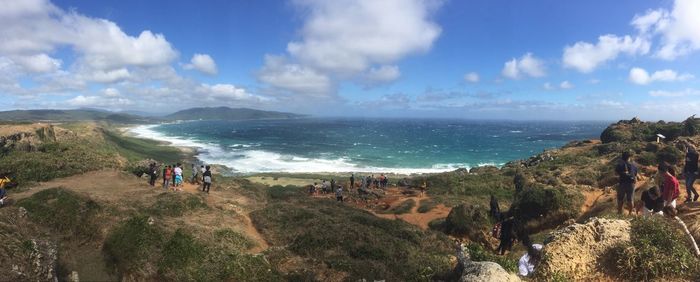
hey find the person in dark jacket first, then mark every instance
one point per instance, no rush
(690, 171)
(153, 173)
(652, 203)
(495, 210)
(627, 172)
(507, 235)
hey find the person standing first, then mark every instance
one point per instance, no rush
(339, 194)
(671, 187)
(167, 175)
(507, 236)
(206, 176)
(195, 175)
(690, 171)
(165, 168)
(333, 185)
(153, 173)
(178, 177)
(627, 173)
(352, 180)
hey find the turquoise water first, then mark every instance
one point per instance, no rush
(377, 145)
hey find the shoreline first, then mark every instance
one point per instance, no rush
(197, 150)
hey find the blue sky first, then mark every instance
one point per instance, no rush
(418, 58)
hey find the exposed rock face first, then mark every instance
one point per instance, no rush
(482, 271)
(575, 251)
(28, 139)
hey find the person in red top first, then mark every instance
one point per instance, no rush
(167, 176)
(671, 187)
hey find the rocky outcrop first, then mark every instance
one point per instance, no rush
(28, 139)
(480, 271)
(576, 251)
(636, 130)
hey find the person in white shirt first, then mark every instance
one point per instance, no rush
(527, 263)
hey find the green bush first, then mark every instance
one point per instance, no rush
(468, 220)
(646, 158)
(478, 253)
(669, 154)
(176, 204)
(536, 202)
(426, 205)
(404, 207)
(472, 185)
(64, 211)
(658, 249)
(180, 256)
(279, 192)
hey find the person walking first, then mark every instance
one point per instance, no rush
(507, 235)
(671, 187)
(178, 177)
(206, 176)
(690, 171)
(627, 173)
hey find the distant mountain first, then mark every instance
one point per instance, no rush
(226, 113)
(70, 115)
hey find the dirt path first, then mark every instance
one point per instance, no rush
(113, 186)
(414, 217)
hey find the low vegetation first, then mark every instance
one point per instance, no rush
(402, 208)
(426, 205)
(66, 212)
(658, 249)
(478, 253)
(176, 204)
(354, 242)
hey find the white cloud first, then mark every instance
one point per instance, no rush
(548, 86)
(347, 36)
(294, 77)
(203, 63)
(111, 92)
(98, 101)
(677, 28)
(566, 85)
(383, 74)
(39, 63)
(472, 77)
(228, 92)
(355, 40)
(110, 76)
(682, 93)
(586, 57)
(642, 77)
(528, 65)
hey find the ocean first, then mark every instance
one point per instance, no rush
(367, 145)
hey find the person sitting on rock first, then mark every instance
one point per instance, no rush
(528, 262)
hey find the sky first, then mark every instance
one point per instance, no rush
(490, 59)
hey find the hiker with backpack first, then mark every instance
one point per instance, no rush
(627, 173)
(207, 179)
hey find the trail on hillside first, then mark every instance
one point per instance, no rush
(116, 187)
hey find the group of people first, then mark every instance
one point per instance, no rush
(667, 190)
(368, 181)
(173, 176)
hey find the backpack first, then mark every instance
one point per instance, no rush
(496, 231)
(207, 179)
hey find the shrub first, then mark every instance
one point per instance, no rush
(467, 220)
(426, 205)
(658, 249)
(279, 192)
(404, 207)
(478, 253)
(669, 154)
(176, 204)
(646, 158)
(180, 255)
(535, 202)
(64, 211)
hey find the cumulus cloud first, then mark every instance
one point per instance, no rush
(566, 85)
(99, 101)
(527, 65)
(562, 86)
(586, 57)
(351, 40)
(297, 78)
(472, 77)
(39, 63)
(677, 28)
(228, 92)
(642, 77)
(203, 63)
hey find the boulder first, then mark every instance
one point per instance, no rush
(481, 271)
(576, 251)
